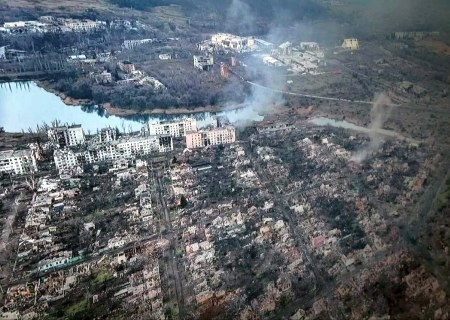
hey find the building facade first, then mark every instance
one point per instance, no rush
(233, 42)
(17, 162)
(174, 129)
(66, 161)
(108, 135)
(211, 137)
(350, 44)
(67, 136)
(70, 161)
(127, 67)
(144, 145)
(204, 63)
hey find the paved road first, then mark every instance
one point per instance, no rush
(309, 95)
(173, 238)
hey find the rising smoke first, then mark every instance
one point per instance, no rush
(240, 17)
(259, 101)
(379, 114)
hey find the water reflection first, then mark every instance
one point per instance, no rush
(24, 106)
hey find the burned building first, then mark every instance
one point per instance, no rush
(204, 63)
(108, 134)
(67, 136)
(126, 66)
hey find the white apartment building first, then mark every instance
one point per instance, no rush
(48, 24)
(66, 160)
(144, 145)
(17, 161)
(173, 129)
(67, 136)
(233, 42)
(211, 137)
(83, 25)
(71, 161)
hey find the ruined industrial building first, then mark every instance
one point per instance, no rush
(236, 160)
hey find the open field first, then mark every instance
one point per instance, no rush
(69, 5)
(14, 10)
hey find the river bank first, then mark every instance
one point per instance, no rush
(122, 112)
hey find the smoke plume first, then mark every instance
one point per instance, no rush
(379, 114)
(240, 17)
(260, 99)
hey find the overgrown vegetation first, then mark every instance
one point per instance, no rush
(76, 308)
(443, 198)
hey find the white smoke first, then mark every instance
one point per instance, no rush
(379, 114)
(258, 104)
(240, 17)
(261, 99)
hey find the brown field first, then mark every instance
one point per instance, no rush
(435, 46)
(55, 5)
(18, 9)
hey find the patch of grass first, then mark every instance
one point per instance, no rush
(102, 276)
(179, 252)
(77, 307)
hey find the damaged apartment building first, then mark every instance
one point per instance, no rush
(305, 58)
(227, 42)
(71, 160)
(204, 63)
(210, 137)
(194, 138)
(17, 161)
(67, 136)
(174, 129)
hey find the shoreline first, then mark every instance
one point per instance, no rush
(121, 112)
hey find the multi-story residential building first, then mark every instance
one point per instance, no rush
(108, 135)
(131, 44)
(210, 137)
(17, 161)
(174, 129)
(83, 25)
(53, 24)
(71, 161)
(144, 145)
(67, 136)
(66, 160)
